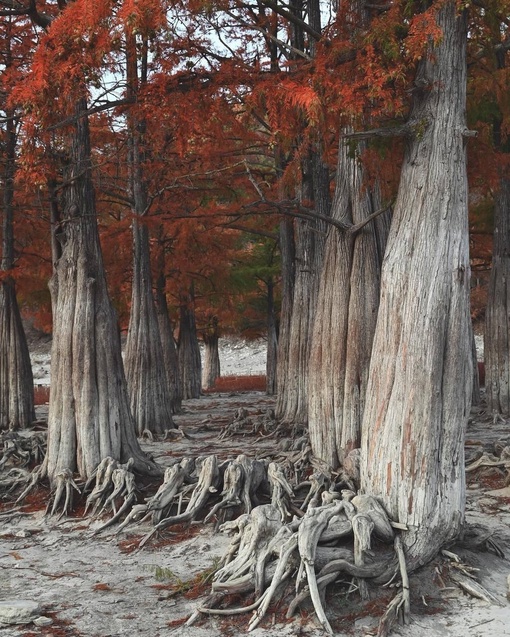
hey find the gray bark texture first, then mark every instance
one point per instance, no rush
(497, 319)
(272, 341)
(166, 333)
(308, 242)
(188, 351)
(347, 303)
(16, 381)
(149, 391)
(211, 368)
(287, 251)
(420, 380)
(89, 415)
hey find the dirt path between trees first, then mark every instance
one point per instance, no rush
(102, 586)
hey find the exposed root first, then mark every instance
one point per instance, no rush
(281, 491)
(64, 484)
(103, 486)
(233, 482)
(362, 527)
(123, 487)
(20, 450)
(281, 573)
(263, 543)
(207, 484)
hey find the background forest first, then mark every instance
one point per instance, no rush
(309, 171)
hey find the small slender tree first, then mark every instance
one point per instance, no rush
(151, 402)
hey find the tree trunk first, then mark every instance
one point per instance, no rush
(211, 368)
(272, 340)
(89, 415)
(149, 392)
(287, 251)
(188, 351)
(346, 315)
(16, 380)
(420, 381)
(497, 321)
(145, 365)
(292, 401)
(298, 308)
(168, 344)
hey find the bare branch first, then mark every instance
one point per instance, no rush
(292, 18)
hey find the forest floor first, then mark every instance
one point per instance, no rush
(103, 586)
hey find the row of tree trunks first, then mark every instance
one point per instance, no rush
(420, 380)
(346, 315)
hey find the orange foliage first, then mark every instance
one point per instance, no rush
(225, 127)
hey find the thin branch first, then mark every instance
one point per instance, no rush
(359, 226)
(259, 233)
(280, 43)
(292, 18)
(312, 215)
(176, 181)
(391, 131)
(91, 111)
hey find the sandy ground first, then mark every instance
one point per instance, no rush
(101, 586)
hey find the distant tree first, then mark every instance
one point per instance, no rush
(16, 382)
(188, 350)
(211, 370)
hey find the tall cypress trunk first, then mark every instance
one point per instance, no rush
(151, 403)
(346, 315)
(497, 320)
(299, 300)
(420, 380)
(309, 242)
(188, 350)
(89, 414)
(16, 380)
